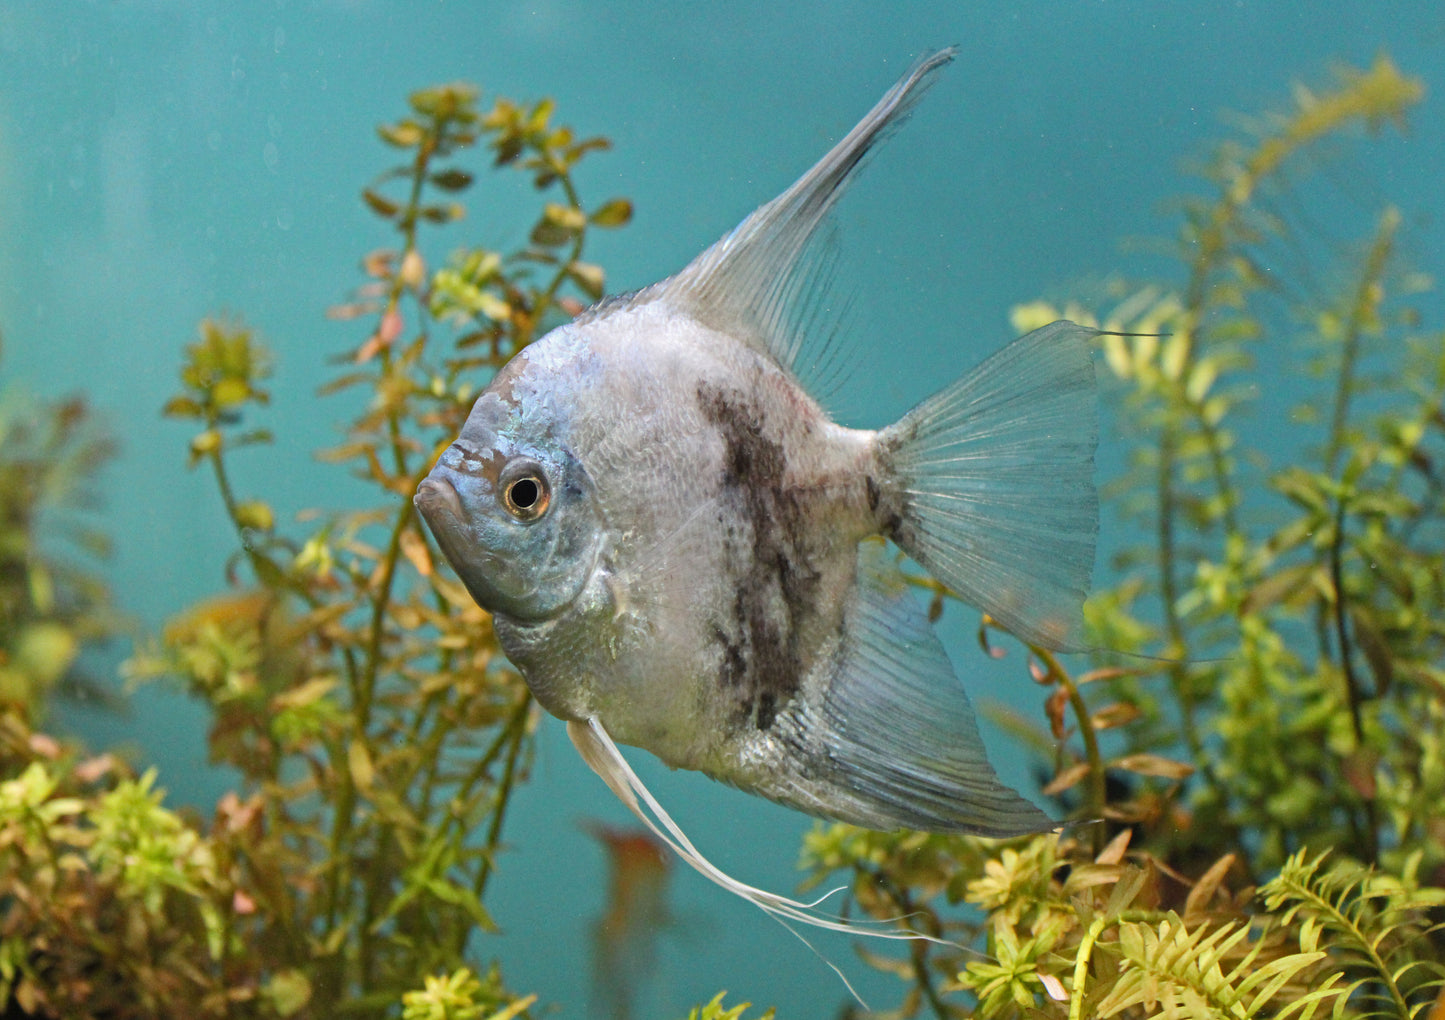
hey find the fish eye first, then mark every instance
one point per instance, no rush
(525, 492)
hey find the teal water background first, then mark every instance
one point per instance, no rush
(165, 160)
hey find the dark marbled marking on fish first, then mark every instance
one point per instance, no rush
(774, 581)
(885, 506)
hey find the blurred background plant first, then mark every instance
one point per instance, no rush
(1293, 722)
(1270, 788)
(53, 604)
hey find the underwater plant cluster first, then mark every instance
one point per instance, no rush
(1261, 789)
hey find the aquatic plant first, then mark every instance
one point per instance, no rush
(107, 900)
(1292, 722)
(1272, 787)
(713, 1009)
(52, 602)
(358, 689)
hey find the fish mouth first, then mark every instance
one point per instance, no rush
(438, 493)
(440, 505)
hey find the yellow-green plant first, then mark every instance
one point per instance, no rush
(357, 687)
(353, 683)
(714, 1009)
(52, 603)
(1259, 813)
(108, 902)
(1297, 611)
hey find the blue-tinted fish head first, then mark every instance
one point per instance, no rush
(513, 511)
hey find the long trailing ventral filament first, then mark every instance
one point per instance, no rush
(602, 755)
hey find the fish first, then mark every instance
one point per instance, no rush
(683, 552)
(625, 936)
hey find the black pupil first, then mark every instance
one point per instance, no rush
(524, 494)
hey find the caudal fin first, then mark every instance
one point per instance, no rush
(993, 480)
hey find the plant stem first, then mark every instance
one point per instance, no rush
(380, 604)
(547, 296)
(1363, 310)
(1098, 788)
(228, 497)
(1081, 965)
(1353, 694)
(918, 948)
(517, 728)
(1086, 951)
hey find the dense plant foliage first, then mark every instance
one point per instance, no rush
(357, 690)
(1260, 809)
(1288, 738)
(52, 603)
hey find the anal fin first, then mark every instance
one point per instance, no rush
(899, 743)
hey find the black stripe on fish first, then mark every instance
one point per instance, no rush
(775, 585)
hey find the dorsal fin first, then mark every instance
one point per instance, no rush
(761, 282)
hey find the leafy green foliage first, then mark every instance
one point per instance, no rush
(1297, 705)
(358, 688)
(354, 685)
(1296, 612)
(52, 604)
(1178, 970)
(110, 905)
(1375, 923)
(1319, 614)
(461, 996)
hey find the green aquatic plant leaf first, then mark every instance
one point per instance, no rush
(460, 995)
(1174, 970)
(714, 1009)
(1374, 921)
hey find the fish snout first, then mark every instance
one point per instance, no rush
(437, 493)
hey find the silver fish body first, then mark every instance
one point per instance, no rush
(676, 542)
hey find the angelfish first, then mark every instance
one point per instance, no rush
(683, 553)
